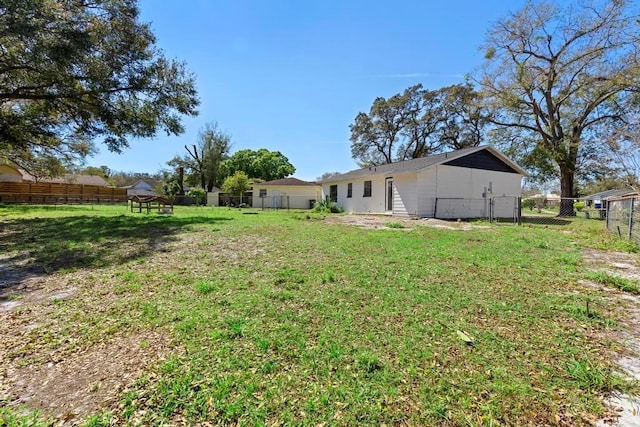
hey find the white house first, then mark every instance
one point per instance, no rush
(140, 188)
(286, 193)
(469, 183)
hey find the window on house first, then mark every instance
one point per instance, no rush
(367, 189)
(333, 193)
(349, 190)
(263, 192)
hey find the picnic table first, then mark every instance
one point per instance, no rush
(162, 204)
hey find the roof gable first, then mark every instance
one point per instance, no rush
(482, 159)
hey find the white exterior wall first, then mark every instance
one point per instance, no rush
(213, 198)
(357, 203)
(427, 181)
(299, 196)
(405, 195)
(453, 182)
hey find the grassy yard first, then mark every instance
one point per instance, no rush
(282, 318)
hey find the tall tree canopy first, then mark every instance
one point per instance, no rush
(418, 123)
(73, 72)
(204, 159)
(556, 75)
(261, 164)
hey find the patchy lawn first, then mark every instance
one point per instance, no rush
(210, 315)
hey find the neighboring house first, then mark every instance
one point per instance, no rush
(10, 174)
(13, 174)
(140, 188)
(286, 193)
(78, 179)
(598, 200)
(466, 183)
(545, 200)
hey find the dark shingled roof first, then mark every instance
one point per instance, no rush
(414, 165)
(288, 181)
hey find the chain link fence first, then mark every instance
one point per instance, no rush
(497, 208)
(623, 218)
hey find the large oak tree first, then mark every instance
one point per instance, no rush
(73, 72)
(258, 164)
(557, 75)
(417, 123)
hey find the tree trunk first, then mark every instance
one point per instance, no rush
(566, 192)
(181, 180)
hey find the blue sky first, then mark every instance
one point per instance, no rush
(292, 75)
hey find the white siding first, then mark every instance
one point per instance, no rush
(358, 203)
(459, 192)
(427, 183)
(468, 185)
(298, 196)
(212, 198)
(405, 196)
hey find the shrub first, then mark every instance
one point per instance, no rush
(394, 224)
(198, 194)
(327, 206)
(578, 206)
(529, 203)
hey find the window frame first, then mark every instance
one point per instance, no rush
(368, 187)
(333, 193)
(349, 190)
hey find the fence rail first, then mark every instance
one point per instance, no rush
(57, 193)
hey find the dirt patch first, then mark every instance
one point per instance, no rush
(47, 363)
(626, 408)
(88, 380)
(382, 222)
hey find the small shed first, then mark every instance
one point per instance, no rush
(286, 193)
(213, 197)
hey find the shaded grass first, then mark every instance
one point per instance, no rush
(283, 320)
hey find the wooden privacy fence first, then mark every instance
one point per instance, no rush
(57, 193)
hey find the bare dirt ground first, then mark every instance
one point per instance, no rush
(624, 265)
(67, 379)
(383, 222)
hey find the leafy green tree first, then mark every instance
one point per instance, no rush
(171, 187)
(102, 171)
(237, 184)
(556, 75)
(204, 159)
(74, 72)
(418, 123)
(261, 164)
(327, 175)
(463, 119)
(198, 194)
